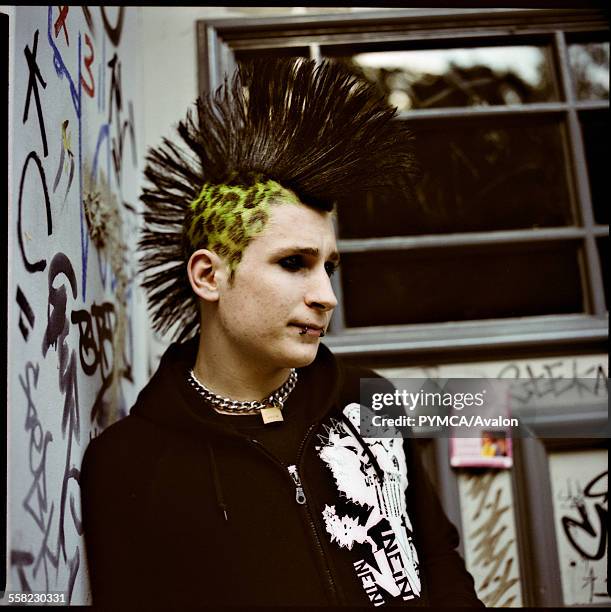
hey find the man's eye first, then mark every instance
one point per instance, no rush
(293, 262)
(331, 268)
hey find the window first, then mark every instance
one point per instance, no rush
(506, 245)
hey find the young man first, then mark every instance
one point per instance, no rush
(240, 476)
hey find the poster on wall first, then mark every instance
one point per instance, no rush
(580, 488)
(486, 442)
(491, 448)
(76, 356)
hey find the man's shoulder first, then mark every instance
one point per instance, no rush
(360, 382)
(356, 372)
(125, 441)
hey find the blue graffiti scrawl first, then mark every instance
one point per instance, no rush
(75, 144)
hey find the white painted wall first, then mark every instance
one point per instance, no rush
(77, 327)
(170, 56)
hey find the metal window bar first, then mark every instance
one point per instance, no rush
(359, 245)
(219, 40)
(538, 108)
(580, 169)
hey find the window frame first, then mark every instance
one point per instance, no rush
(220, 40)
(533, 502)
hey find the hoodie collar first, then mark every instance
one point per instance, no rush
(170, 402)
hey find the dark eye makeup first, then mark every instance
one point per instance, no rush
(294, 263)
(331, 267)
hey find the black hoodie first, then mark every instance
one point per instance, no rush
(183, 507)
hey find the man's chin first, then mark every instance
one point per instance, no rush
(303, 357)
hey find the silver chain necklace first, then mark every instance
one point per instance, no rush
(270, 408)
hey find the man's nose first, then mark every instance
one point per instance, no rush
(320, 294)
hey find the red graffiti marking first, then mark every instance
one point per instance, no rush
(60, 22)
(88, 87)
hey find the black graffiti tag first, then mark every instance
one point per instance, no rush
(41, 264)
(573, 526)
(19, 560)
(36, 500)
(34, 79)
(55, 335)
(114, 32)
(550, 382)
(115, 106)
(96, 332)
(24, 310)
(57, 323)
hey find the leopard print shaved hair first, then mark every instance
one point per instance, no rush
(225, 218)
(290, 130)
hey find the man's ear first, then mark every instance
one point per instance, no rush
(205, 270)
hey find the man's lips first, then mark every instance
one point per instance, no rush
(309, 329)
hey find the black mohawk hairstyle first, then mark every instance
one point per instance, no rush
(313, 127)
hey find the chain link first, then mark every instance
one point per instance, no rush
(229, 406)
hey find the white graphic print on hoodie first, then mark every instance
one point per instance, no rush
(374, 517)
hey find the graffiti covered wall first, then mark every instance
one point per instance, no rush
(578, 480)
(490, 542)
(580, 490)
(77, 337)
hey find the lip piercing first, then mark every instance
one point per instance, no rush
(304, 331)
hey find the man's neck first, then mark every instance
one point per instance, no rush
(234, 378)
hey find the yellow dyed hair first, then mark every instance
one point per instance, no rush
(225, 218)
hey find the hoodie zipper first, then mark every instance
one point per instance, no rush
(300, 498)
(330, 581)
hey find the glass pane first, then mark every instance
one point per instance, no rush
(590, 70)
(603, 254)
(458, 284)
(594, 127)
(456, 77)
(476, 176)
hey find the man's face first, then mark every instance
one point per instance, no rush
(281, 289)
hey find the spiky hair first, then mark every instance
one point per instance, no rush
(313, 127)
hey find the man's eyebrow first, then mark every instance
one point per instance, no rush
(312, 251)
